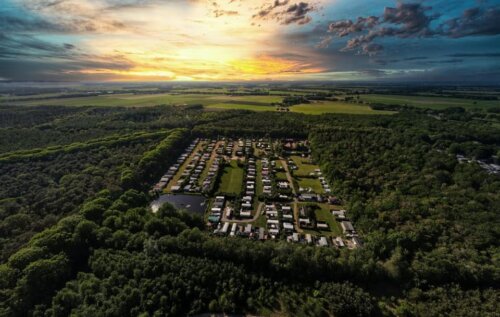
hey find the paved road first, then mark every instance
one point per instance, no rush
(295, 200)
(288, 175)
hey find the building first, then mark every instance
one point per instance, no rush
(322, 225)
(233, 229)
(347, 227)
(287, 226)
(309, 238)
(339, 214)
(323, 242)
(225, 228)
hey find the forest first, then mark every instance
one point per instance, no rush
(78, 238)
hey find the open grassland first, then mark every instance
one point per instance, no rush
(313, 183)
(281, 176)
(323, 214)
(145, 100)
(210, 101)
(430, 102)
(233, 106)
(232, 179)
(336, 107)
(303, 165)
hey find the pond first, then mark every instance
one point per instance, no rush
(192, 203)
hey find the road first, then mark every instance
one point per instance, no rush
(295, 199)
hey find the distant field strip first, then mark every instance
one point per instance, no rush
(146, 100)
(336, 107)
(429, 102)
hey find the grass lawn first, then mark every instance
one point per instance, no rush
(303, 165)
(324, 214)
(313, 183)
(261, 221)
(232, 179)
(281, 176)
(336, 107)
(430, 102)
(279, 165)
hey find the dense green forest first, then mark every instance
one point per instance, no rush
(430, 224)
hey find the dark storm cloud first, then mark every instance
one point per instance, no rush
(297, 13)
(372, 48)
(411, 20)
(345, 27)
(473, 22)
(294, 13)
(34, 57)
(405, 20)
(27, 45)
(19, 23)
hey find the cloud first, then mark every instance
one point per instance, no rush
(265, 11)
(293, 13)
(411, 20)
(372, 48)
(374, 73)
(219, 13)
(404, 21)
(297, 13)
(75, 16)
(473, 22)
(345, 27)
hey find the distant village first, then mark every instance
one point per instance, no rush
(260, 189)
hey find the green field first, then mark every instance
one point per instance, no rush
(429, 102)
(261, 221)
(324, 214)
(146, 100)
(281, 176)
(336, 107)
(304, 167)
(232, 106)
(312, 183)
(232, 179)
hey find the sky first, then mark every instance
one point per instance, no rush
(250, 40)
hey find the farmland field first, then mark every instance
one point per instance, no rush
(429, 102)
(336, 107)
(145, 100)
(231, 106)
